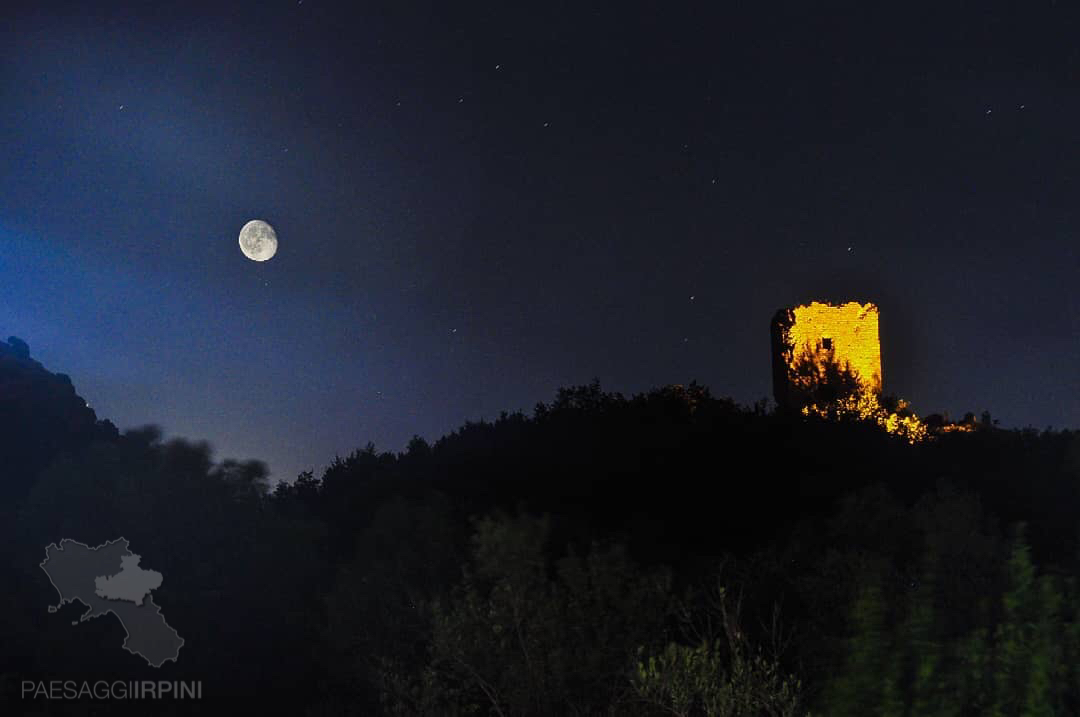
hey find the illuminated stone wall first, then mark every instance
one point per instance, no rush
(844, 332)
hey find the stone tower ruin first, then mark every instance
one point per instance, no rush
(844, 333)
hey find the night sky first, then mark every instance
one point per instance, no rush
(477, 204)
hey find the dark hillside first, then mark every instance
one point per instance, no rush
(622, 541)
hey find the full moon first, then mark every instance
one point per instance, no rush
(258, 240)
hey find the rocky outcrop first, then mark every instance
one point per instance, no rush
(41, 417)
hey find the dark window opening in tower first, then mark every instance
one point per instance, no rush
(826, 344)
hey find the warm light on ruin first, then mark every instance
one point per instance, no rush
(846, 336)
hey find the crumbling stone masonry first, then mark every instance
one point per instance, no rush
(845, 333)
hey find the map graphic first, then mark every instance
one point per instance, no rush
(107, 579)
